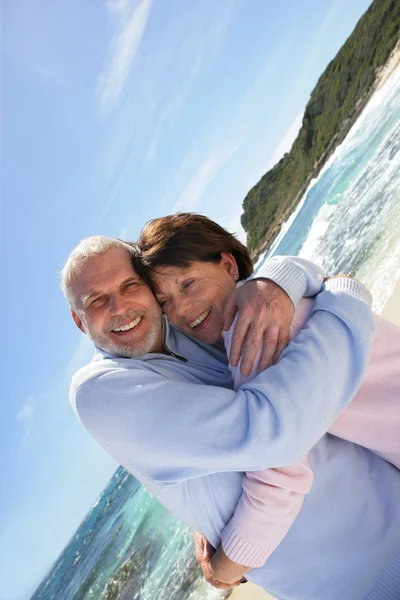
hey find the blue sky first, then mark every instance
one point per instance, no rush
(115, 112)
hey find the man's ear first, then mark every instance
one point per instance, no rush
(229, 263)
(78, 321)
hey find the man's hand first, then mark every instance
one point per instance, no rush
(204, 552)
(265, 315)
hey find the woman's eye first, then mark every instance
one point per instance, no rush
(187, 284)
(130, 285)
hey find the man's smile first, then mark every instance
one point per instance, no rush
(128, 326)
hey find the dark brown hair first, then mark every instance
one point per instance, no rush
(134, 251)
(180, 239)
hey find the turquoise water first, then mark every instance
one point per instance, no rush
(349, 219)
(129, 547)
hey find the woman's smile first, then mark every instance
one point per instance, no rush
(201, 321)
(193, 298)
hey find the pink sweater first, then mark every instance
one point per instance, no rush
(272, 499)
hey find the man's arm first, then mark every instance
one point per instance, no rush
(172, 430)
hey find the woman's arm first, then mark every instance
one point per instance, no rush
(268, 507)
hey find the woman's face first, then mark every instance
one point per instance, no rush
(193, 298)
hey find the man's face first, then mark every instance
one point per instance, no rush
(115, 307)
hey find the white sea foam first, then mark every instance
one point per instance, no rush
(361, 231)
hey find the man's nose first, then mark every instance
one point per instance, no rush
(117, 304)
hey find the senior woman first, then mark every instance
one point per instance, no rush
(194, 265)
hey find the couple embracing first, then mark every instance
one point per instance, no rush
(285, 458)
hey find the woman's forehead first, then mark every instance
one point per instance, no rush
(166, 272)
(167, 277)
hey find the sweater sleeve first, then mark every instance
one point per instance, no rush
(301, 278)
(297, 276)
(172, 428)
(269, 505)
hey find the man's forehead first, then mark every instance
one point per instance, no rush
(104, 270)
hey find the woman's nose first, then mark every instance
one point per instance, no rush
(181, 306)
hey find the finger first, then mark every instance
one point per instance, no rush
(281, 345)
(209, 551)
(220, 585)
(208, 576)
(270, 342)
(229, 583)
(251, 349)
(199, 555)
(230, 311)
(198, 546)
(239, 335)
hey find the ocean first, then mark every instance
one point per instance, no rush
(129, 547)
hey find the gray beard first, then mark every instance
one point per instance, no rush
(144, 346)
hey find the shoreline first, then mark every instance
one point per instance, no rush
(391, 312)
(386, 71)
(381, 77)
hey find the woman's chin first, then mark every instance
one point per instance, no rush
(207, 337)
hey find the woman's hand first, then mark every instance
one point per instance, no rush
(226, 570)
(204, 553)
(265, 313)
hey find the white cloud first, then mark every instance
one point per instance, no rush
(187, 47)
(25, 418)
(166, 116)
(82, 354)
(117, 6)
(48, 408)
(235, 227)
(122, 52)
(27, 412)
(205, 174)
(333, 15)
(31, 32)
(124, 233)
(319, 39)
(227, 142)
(287, 141)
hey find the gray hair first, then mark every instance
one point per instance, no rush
(94, 245)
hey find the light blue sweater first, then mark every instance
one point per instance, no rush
(189, 443)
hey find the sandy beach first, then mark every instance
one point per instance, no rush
(391, 310)
(249, 591)
(386, 71)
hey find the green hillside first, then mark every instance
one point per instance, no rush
(335, 103)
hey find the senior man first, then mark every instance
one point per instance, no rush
(143, 398)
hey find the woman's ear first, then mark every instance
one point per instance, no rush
(229, 263)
